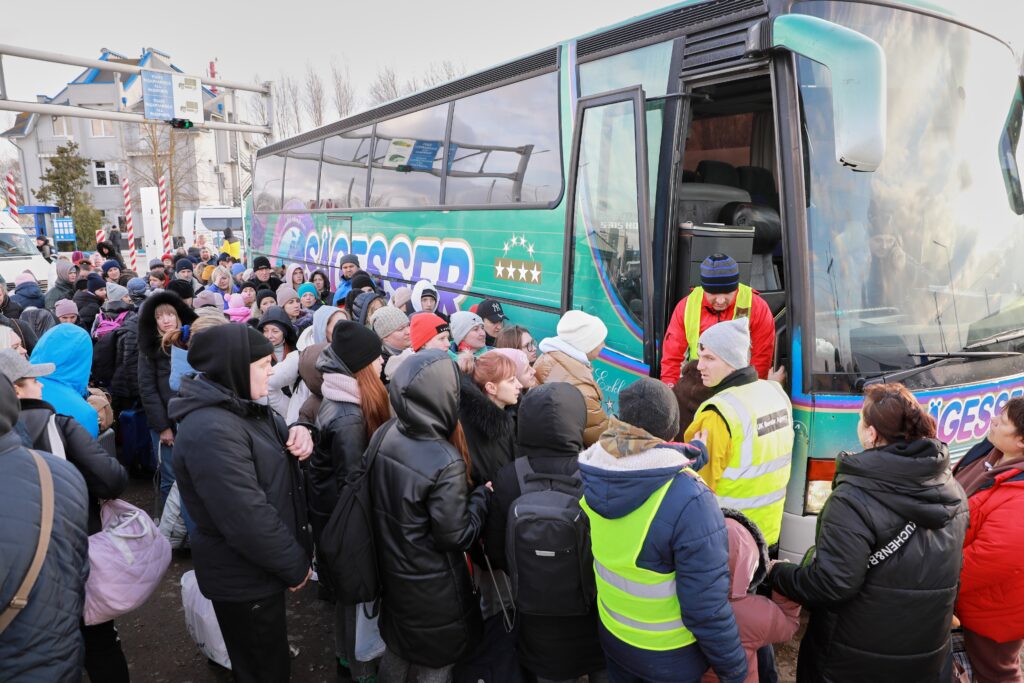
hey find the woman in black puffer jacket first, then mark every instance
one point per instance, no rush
(882, 580)
(426, 516)
(161, 313)
(355, 403)
(488, 388)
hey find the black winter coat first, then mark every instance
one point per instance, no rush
(10, 308)
(426, 518)
(105, 477)
(490, 432)
(553, 418)
(155, 363)
(44, 643)
(88, 308)
(243, 490)
(125, 382)
(873, 619)
(339, 449)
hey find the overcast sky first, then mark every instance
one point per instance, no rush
(268, 37)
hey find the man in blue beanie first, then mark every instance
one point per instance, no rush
(719, 297)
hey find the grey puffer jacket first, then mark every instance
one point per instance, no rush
(43, 644)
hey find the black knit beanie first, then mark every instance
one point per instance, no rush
(224, 354)
(356, 345)
(182, 288)
(362, 279)
(265, 294)
(260, 262)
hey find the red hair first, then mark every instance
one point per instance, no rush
(490, 367)
(895, 414)
(373, 399)
(458, 439)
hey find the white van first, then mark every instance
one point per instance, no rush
(18, 253)
(211, 221)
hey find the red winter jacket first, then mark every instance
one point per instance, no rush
(762, 337)
(991, 600)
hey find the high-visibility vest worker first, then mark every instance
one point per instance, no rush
(749, 424)
(720, 297)
(759, 416)
(638, 606)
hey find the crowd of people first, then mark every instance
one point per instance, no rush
(519, 530)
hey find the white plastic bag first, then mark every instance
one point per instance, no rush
(369, 644)
(202, 621)
(172, 522)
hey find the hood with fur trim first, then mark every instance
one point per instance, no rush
(149, 337)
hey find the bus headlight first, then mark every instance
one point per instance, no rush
(820, 474)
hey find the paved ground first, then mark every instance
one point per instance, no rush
(159, 648)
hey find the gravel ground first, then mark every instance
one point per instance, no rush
(159, 648)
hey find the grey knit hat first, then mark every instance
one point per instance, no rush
(650, 405)
(388, 319)
(116, 292)
(730, 341)
(462, 323)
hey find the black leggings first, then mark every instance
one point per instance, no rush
(104, 658)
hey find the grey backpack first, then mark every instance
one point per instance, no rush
(547, 545)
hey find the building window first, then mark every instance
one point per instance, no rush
(102, 128)
(61, 127)
(105, 174)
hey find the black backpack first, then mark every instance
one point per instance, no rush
(547, 545)
(346, 542)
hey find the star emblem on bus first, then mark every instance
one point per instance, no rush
(518, 270)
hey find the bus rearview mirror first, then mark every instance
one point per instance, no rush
(857, 66)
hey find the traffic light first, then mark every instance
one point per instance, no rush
(183, 124)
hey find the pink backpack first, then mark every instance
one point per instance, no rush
(105, 325)
(127, 561)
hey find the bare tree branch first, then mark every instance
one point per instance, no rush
(315, 99)
(344, 95)
(386, 86)
(442, 72)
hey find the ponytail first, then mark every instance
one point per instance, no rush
(458, 439)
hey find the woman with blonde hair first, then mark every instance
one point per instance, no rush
(162, 313)
(221, 283)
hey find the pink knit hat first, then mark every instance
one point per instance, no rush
(24, 277)
(236, 301)
(65, 307)
(521, 360)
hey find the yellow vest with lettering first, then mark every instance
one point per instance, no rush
(760, 420)
(691, 314)
(637, 606)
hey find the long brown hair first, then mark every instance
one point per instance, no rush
(373, 399)
(895, 414)
(458, 439)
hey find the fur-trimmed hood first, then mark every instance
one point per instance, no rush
(149, 337)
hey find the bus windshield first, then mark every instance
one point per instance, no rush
(17, 245)
(922, 256)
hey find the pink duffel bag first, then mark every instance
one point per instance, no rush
(127, 561)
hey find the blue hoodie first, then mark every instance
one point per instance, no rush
(687, 536)
(28, 294)
(69, 348)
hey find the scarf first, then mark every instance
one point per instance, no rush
(341, 388)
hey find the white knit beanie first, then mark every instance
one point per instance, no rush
(581, 331)
(730, 341)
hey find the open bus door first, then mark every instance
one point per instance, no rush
(608, 229)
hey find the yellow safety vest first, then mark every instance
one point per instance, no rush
(760, 420)
(637, 606)
(691, 315)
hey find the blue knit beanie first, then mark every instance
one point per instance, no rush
(719, 274)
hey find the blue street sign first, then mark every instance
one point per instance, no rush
(64, 229)
(157, 95)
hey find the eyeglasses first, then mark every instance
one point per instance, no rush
(532, 346)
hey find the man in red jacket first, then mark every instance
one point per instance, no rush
(719, 297)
